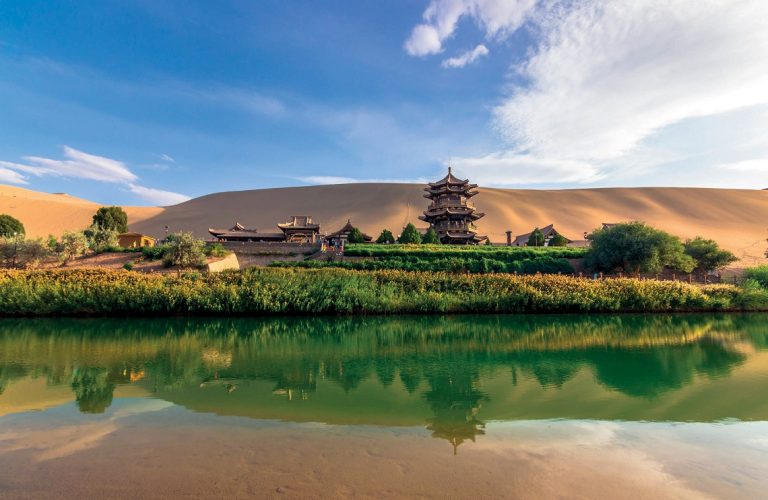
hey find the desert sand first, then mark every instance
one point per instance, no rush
(736, 218)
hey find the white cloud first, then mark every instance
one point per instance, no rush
(606, 75)
(10, 176)
(497, 18)
(81, 165)
(467, 57)
(511, 169)
(167, 158)
(157, 196)
(757, 165)
(78, 165)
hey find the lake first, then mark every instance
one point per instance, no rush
(664, 406)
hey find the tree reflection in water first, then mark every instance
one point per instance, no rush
(443, 361)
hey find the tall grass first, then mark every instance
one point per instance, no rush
(338, 291)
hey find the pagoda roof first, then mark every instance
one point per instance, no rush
(238, 230)
(348, 227)
(299, 222)
(449, 179)
(547, 231)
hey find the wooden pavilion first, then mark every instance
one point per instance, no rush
(451, 213)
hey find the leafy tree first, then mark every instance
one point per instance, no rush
(708, 254)
(536, 239)
(488, 242)
(17, 252)
(73, 245)
(184, 250)
(431, 238)
(636, 247)
(558, 240)
(10, 226)
(410, 235)
(112, 218)
(101, 239)
(386, 236)
(356, 236)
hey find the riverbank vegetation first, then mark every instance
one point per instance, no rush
(338, 291)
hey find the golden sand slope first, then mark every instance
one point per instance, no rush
(737, 219)
(43, 213)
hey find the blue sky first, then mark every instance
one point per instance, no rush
(152, 101)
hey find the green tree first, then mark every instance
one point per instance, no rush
(100, 238)
(708, 254)
(488, 242)
(410, 235)
(17, 252)
(635, 247)
(431, 238)
(73, 245)
(356, 236)
(536, 239)
(386, 236)
(113, 218)
(558, 240)
(10, 226)
(184, 250)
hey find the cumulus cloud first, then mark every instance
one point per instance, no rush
(606, 75)
(602, 80)
(497, 18)
(81, 165)
(467, 57)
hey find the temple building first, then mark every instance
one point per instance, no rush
(300, 229)
(548, 232)
(342, 235)
(451, 214)
(239, 232)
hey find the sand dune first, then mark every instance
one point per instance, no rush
(737, 219)
(43, 213)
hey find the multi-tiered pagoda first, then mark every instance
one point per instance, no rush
(450, 213)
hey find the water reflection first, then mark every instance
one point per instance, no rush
(449, 374)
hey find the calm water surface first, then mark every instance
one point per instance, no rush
(489, 406)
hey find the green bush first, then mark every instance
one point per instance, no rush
(635, 247)
(386, 237)
(410, 235)
(10, 226)
(430, 238)
(758, 274)
(428, 252)
(337, 291)
(111, 219)
(216, 250)
(128, 266)
(153, 253)
(184, 250)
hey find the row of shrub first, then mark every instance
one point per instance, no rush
(457, 264)
(507, 254)
(338, 291)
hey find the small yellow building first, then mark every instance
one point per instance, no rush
(135, 240)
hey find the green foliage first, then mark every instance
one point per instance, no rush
(488, 242)
(153, 253)
(337, 291)
(10, 226)
(356, 236)
(458, 264)
(462, 251)
(111, 218)
(758, 274)
(216, 250)
(101, 239)
(73, 245)
(128, 266)
(536, 239)
(184, 250)
(386, 236)
(635, 247)
(708, 255)
(19, 253)
(410, 235)
(431, 238)
(558, 240)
